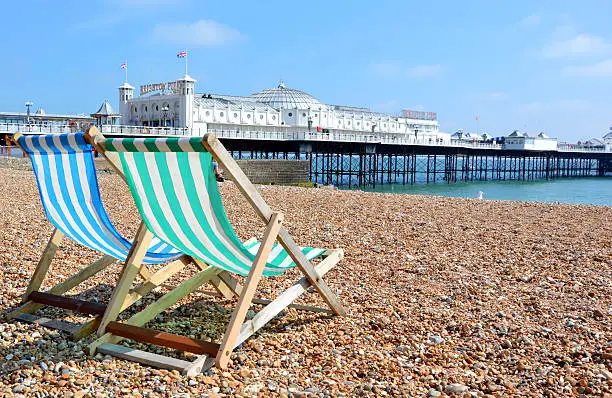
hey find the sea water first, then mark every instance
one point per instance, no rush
(588, 190)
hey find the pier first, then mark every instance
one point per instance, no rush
(358, 160)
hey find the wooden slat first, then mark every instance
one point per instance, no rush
(164, 302)
(224, 290)
(296, 306)
(65, 326)
(252, 195)
(164, 339)
(85, 329)
(231, 282)
(69, 303)
(61, 288)
(201, 364)
(145, 358)
(130, 270)
(153, 282)
(250, 285)
(285, 299)
(44, 262)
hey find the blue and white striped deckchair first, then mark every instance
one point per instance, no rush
(176, 193)
(65, 173)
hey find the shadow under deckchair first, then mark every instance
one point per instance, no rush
(174, 187)
(64, 168)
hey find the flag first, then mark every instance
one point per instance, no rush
(477, 117)
(123, 65)
(182, 54)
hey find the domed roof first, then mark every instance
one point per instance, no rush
(288, 98)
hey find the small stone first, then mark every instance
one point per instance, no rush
(19, 388)
(607, 374)
(8, 357)
(434, 393)
(58, 367)
(193, 383)
(44, 366)
(436, 339)
(456, 388)
(272, 386)
(250, 314)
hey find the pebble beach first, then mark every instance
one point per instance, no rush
(445, 297)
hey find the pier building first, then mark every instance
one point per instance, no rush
(278, 109)
(524, 141)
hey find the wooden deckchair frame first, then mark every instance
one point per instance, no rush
(34, 299)
(238, 330)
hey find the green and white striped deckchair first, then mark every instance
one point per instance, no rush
(173, 184)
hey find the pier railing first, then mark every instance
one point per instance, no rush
(279, 134)
(579, 148)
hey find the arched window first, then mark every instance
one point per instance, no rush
(221, 114)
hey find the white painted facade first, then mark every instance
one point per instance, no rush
(278, 108)
(523, 141)
(607, 139)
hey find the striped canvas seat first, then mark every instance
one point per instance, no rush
(68, 187)
(173, 184)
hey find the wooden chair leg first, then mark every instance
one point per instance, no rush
(244, 302)
(130, 270)
(43, 264)
(100, 264)
(285, 299)
(307, 269)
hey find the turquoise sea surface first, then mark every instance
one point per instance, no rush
(593, 191)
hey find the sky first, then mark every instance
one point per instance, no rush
(522, 65)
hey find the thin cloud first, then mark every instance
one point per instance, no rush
(394, 69)
(531, 20)
(580, 45)
(202, 33)
(599, 69)
(425, 70)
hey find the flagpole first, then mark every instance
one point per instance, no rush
(186, 55)
(126, 67)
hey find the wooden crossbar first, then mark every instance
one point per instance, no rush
(155, 337)
(69, 303)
